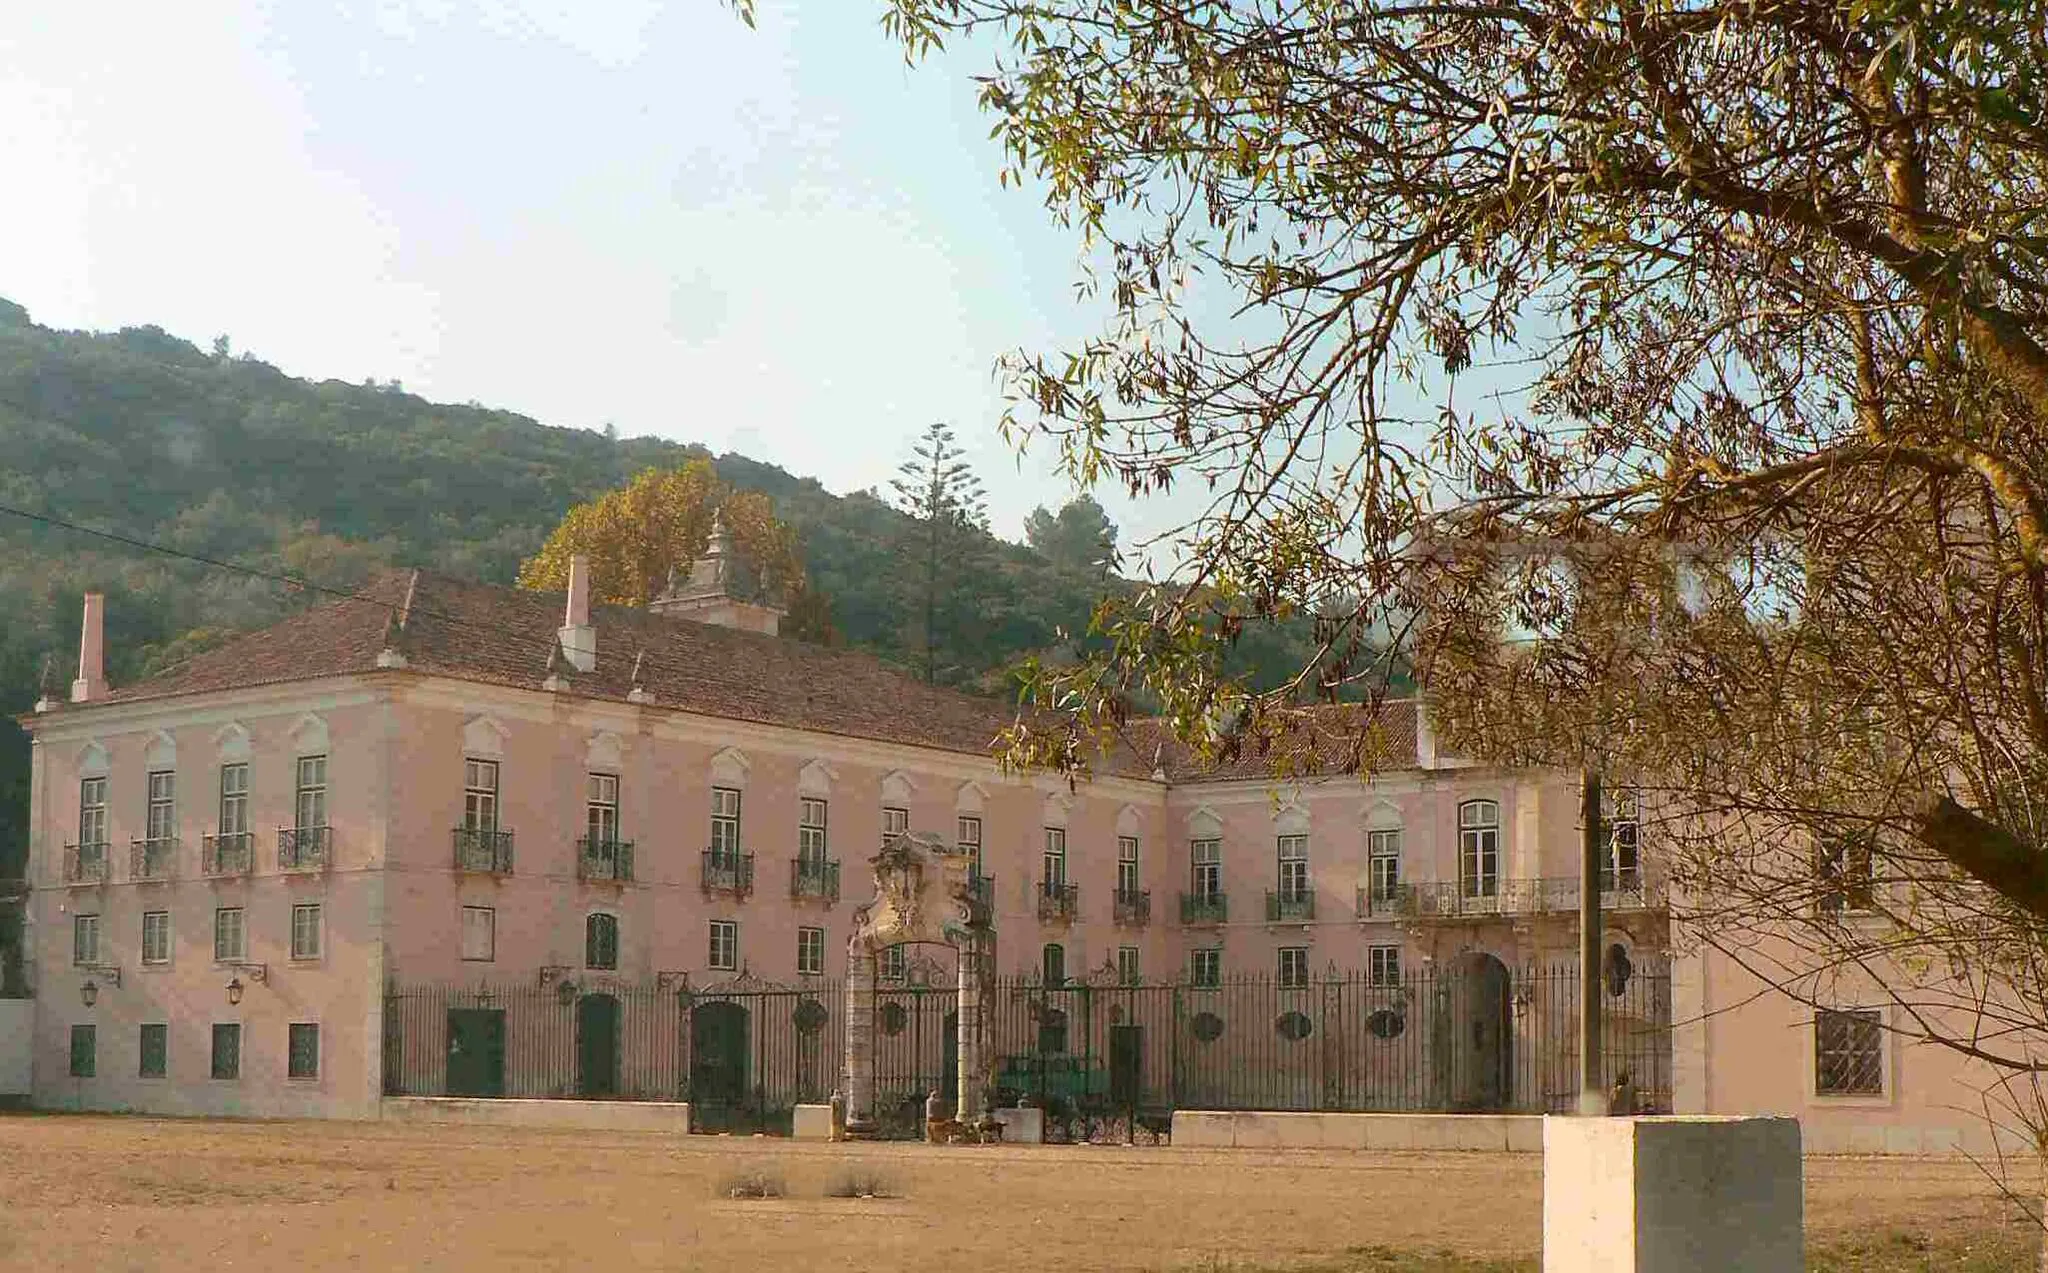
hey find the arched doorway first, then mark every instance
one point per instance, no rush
(597, 1045)
(718, 1053)
(1480, 1034)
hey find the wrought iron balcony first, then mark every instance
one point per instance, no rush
(982, 888)
(1290, 905)
(1132, 907)
(1478, 899)
(229, 853)
(1058, 902)
(86, 863)
(1384, 903)
(1207, 907)
(310, 848)
(814, 878)
(609, 861)
(483, 852)
(153, 859)
(728, 871)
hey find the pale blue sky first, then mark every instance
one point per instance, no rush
(779, 241)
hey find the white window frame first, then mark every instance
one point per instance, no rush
(1205, 967)
(1383, 965)
(310, 921)
(1292, 853)
(1479, 848)
(160, 810)
(1055, 857)
(813, 814)
(601, 808)
(238, 950)
(810, 952)
(92, 811)
(156, 944)
(1383, 863)
(967, 834)
(1127, 874)
(893, 964)
(482, 781)
(85, 939)
(725, 945)
(318, 1042)
(309, 792)
(1127, 970)
(484, 920)
(1205, 862)
(725, 822)
(234, 798)
(895, 822)
(1292, 967)
(1623, 834)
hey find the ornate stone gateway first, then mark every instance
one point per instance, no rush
(924, 892)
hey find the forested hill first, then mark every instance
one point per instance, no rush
(223, 456)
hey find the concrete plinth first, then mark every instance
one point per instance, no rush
(1672, 1195)
(1022, 1126)
(813, 1122)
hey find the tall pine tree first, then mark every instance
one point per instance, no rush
(941, 495)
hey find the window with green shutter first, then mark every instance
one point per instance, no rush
(303, 1052)
(227, 1050)
(155, 1050)
(84, 1051)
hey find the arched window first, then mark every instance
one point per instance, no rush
(1055, 964)
(1479, 848)
(601, 941)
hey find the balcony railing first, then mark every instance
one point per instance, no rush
(86, 863)
(483, 852)
(1454, 899)
(229, 853)
(982, 888)
(311, 848)
(1132, 907)
(1058, 901)
(153, 859)
(1204, 908)
(1385, 902)
(814, 878)
(1290, 905)
(609, 861)
(728, 871)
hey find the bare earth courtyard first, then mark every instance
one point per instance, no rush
(118, 1193)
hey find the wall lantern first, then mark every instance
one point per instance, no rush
(88, 993)
(234, 990)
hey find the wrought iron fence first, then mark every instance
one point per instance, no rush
(1472, 1037)
(308, 848)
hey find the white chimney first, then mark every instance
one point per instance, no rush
(92, 646)
(579, 639)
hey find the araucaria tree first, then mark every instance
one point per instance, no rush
(943, 498)
(1727, 318)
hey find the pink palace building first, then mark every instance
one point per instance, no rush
(445, 837)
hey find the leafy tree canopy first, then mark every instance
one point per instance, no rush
(1079, 537)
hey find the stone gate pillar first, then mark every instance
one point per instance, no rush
(968, 1108)
(860, 1037)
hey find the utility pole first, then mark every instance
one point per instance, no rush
(1592, 865)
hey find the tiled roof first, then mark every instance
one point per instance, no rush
(507, 636)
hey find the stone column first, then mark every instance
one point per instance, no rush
(968, 1030)
(860, 1037)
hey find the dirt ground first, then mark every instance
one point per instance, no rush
(114, 1193)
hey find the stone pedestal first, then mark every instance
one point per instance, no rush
(1672, 1195)
(1022, 1126)
(813, 1122)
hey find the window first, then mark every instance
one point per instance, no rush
(92, 811)
(479, 795)
(1205, 966)
(227, 1050)
(85, 939)
(161, 820)
(306, 930)
(85, 1050)
(1623, 870)
(1383, 965)
(1055, 855)
(1383, 859)
(309, 793)
(156, 937)
(601, 941)
(1054, 960)
(601, 797)
(234, 799)
(1127, 864)
(228, 943)
(1848, 1053)
(1846, 879)
(1293, 867)
(154, 1047)
(1127, 965)
(725, 944)
(969, 839)
(302, 1050)
(810, 831)
(810, 952)
(1293, 967)
(1208, 861)
(725, 821)
(1479, 848)
(894, 822)
(479, 933)
(895, 965)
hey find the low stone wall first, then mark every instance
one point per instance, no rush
(1245, 1129)
(17, 1045)
(612, 1116)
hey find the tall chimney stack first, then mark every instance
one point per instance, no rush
(578, 637)
(92, 649)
